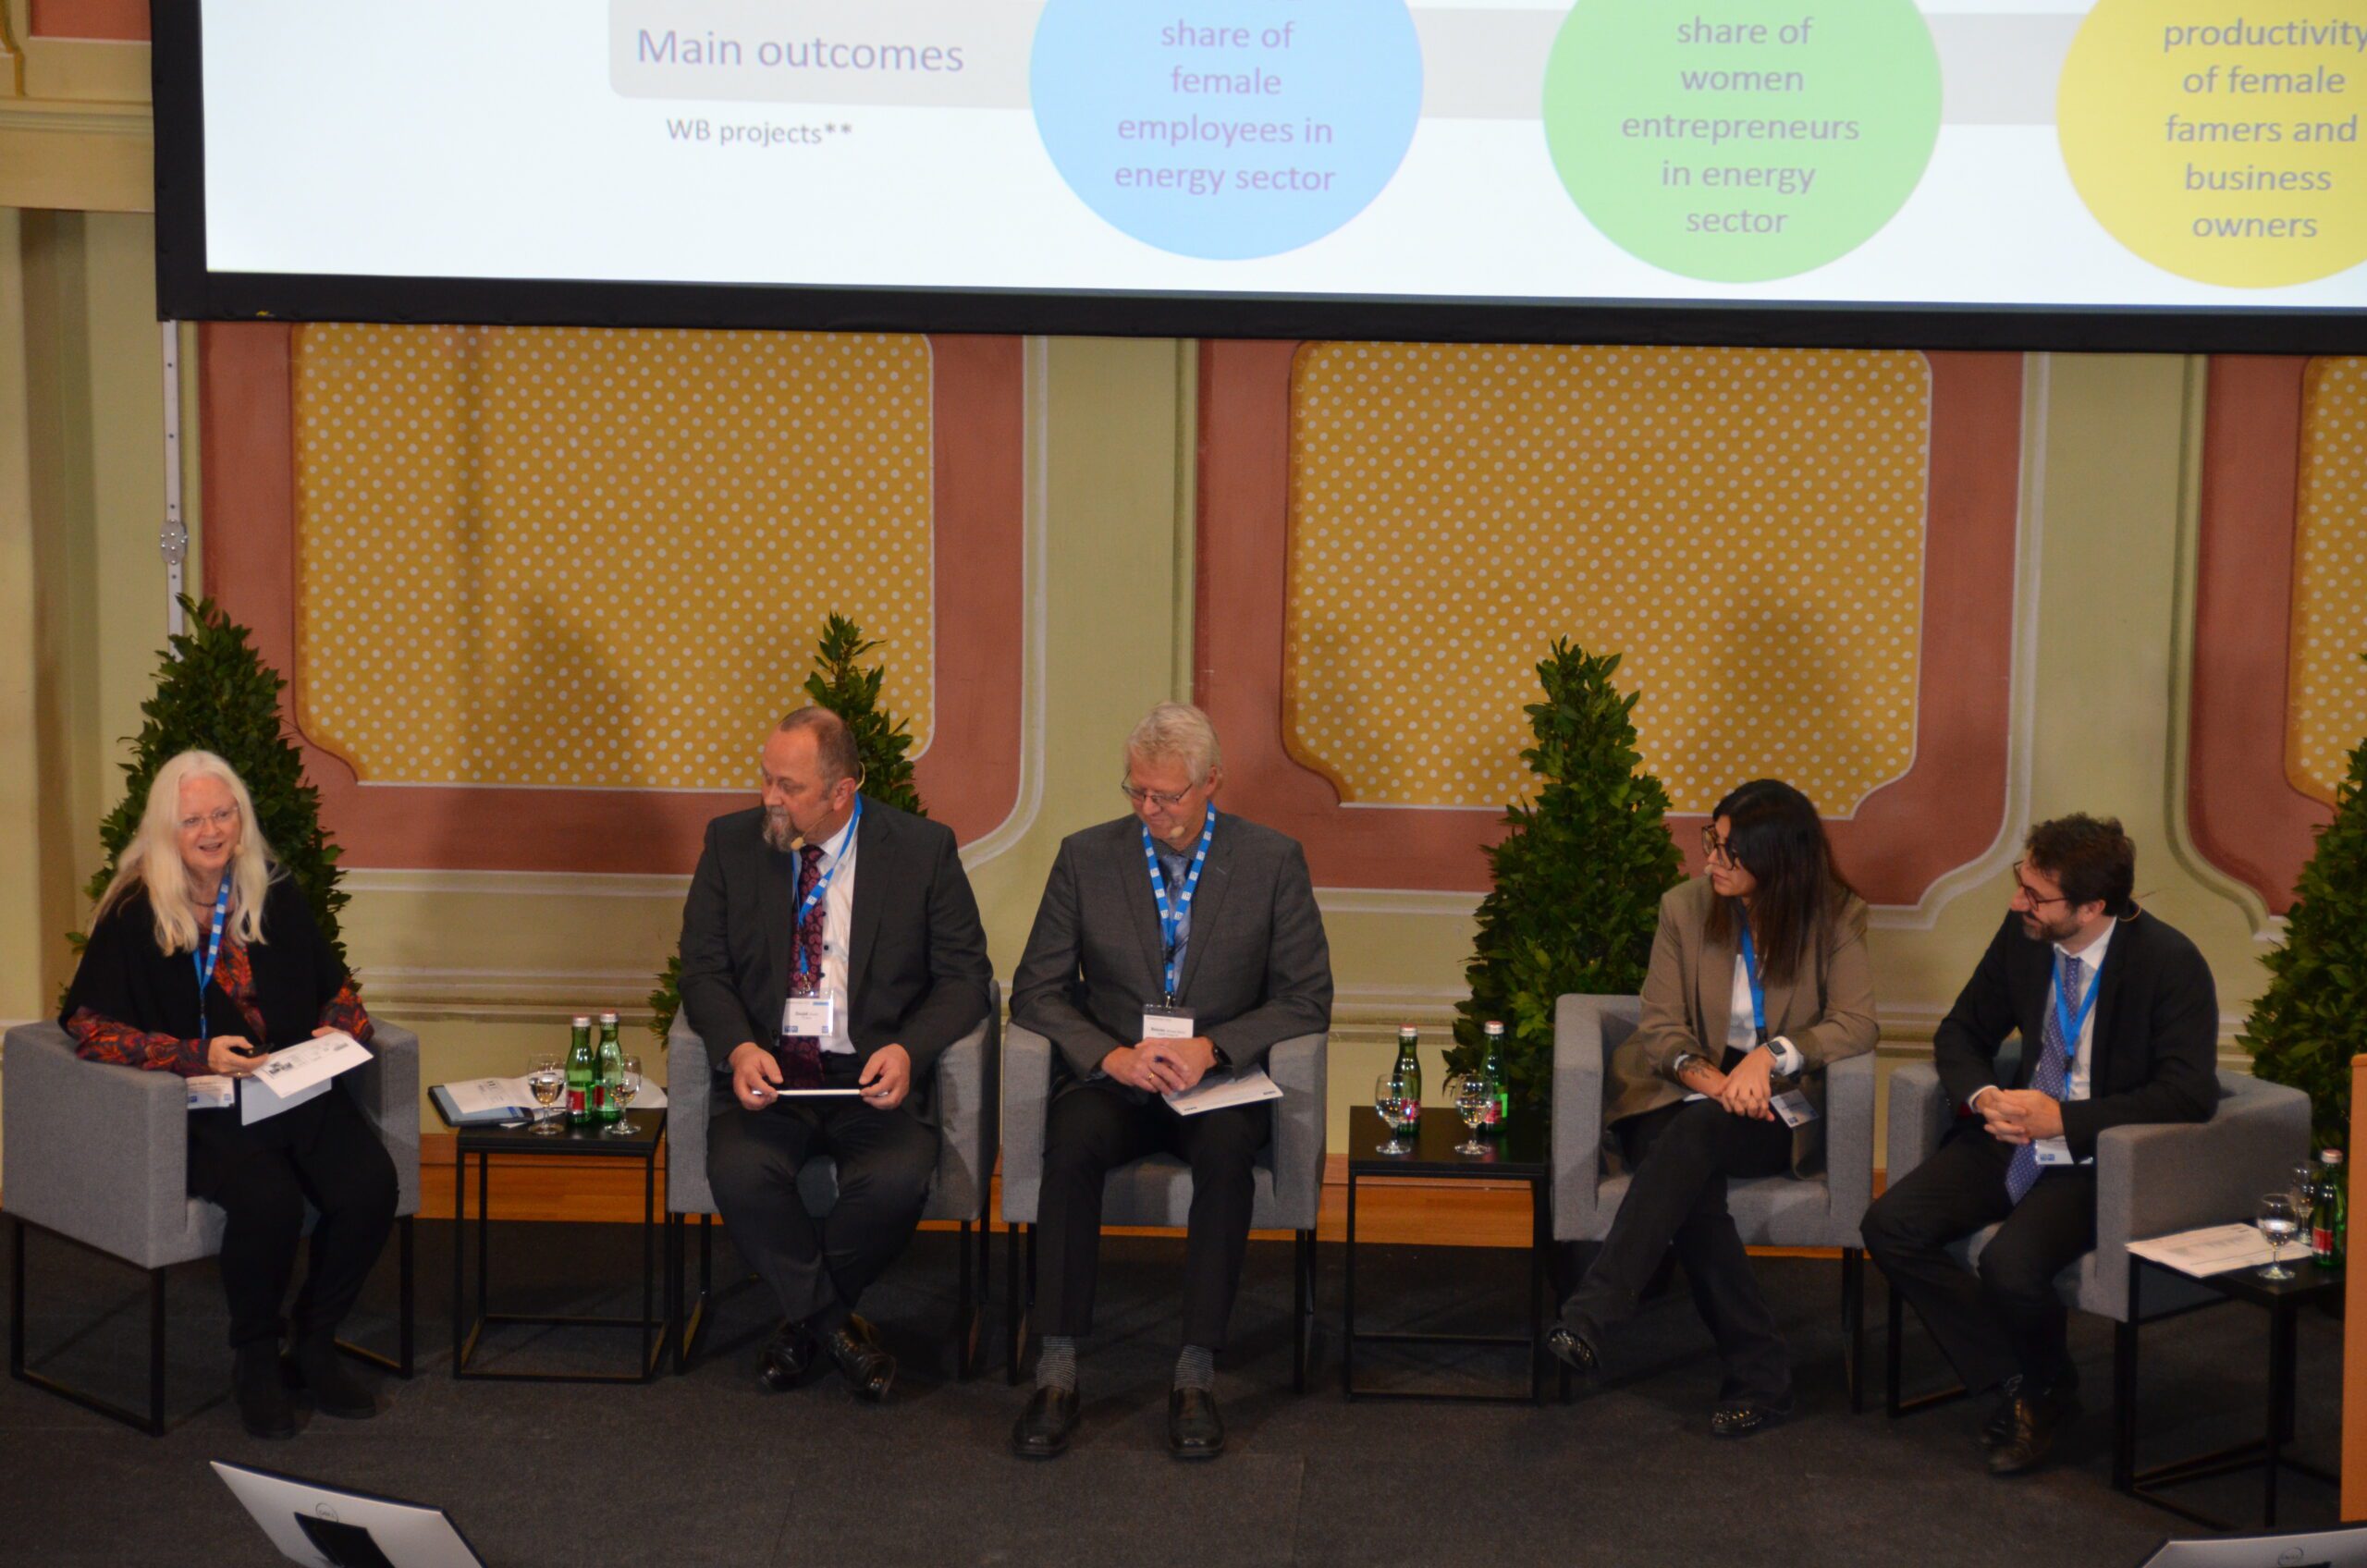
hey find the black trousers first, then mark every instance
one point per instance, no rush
(322, 1152)
(1682, 1156)
(2006, 1318)
(1097, 1126)
(819, 1267)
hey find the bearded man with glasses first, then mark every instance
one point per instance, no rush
(1172, 943)
(2119, 1021)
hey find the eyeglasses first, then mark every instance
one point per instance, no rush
(1164, 800)
(222, 816)
(2031, 893)
(1715, 847)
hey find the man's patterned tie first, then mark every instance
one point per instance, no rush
(801, 1055)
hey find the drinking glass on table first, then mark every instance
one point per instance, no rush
(1473, 1095)
(1394, 1098)
(2279, 1220)
(626, 1086)
(546, 1081)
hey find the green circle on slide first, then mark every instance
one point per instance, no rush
(1658, 114)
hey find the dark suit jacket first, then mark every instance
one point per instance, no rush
(1256, 972)
(916, 956)
(2155, 1051)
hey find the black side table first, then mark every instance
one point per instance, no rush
(2281, 1299)
(1519, 1153)
(484, 1143)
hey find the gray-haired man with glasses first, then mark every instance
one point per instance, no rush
(1172, 943)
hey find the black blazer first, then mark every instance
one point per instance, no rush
(2155, 1052)
(125, 976)
(916, 956)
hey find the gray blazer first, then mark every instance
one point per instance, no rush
(1256, 971)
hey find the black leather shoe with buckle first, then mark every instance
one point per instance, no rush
(855, 1349)
(1194, 1431)
(1046, 1425)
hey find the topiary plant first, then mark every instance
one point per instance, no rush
(1579, 878)
(214, 693)
(2312, 1019)
(841, 685)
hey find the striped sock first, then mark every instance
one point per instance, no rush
(1056, 1364)
(1196, 1368)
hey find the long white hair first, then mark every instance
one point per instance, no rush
(153, 859)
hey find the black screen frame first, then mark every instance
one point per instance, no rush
(188, 289)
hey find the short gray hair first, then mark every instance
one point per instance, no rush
(1180, 730)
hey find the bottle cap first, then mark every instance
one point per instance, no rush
(1406, 1029)
(608, 1018)
(2330, 1156)
(583, 1021)
(1493, 1027)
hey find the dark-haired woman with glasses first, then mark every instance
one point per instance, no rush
(1759, 981)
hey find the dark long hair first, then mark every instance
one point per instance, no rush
(1776, 836)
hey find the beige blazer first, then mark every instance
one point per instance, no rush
(1826, 1010)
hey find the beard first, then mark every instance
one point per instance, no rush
(779, 832)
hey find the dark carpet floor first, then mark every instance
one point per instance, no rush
(705, 1469)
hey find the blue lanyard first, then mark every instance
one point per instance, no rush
(205, 967)
(823, 886)
(2072, 1022)
(1172, 918)
(1750, 969)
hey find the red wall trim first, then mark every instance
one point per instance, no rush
(1945, 812)
(2245, 815)
(970, 775)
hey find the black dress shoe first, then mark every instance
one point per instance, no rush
(1046, 1425)
(1748, 1417)
(1572, 1351)
(786, 1359)
(1998, 1430)
(1194, 1431)
(2033, 1421)
(256, 1380)
(855, 1349)
(316, 1366)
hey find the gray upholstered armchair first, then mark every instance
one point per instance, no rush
(99, 1155)
(966, 1163)
(1158, 1191)
(1822, 1210)
(2151, 1181)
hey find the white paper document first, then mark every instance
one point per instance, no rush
(290, 1077)
(478, 1100)
(212, 1091)
(2214, 1249)
(1215, 1093)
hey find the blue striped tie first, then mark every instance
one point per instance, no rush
(2054, 1073)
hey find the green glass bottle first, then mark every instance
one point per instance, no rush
(582, 1073)
(612, 1072)
(1494, 1062)
(2327, 1218)
(1409, 1066)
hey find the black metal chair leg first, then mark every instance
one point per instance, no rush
(1014, 1325)
(1893, 1353)
(1302, 1305)
(155, 1353)
(1853, 1325)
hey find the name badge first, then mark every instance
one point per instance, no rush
(1167, 1024)
(2053, 1151)
(1794, 1107)
(815, 1017)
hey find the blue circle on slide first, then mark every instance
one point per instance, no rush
(1193, 125)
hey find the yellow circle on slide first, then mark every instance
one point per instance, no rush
(2224, 142)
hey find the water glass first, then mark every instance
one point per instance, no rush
(1398, 1109)
(2279, 1220)
(622, 1091)
(1474, 1095)
(545, 1083)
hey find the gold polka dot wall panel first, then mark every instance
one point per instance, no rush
(1746, 527)
(2328, 714)
(592, 559)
